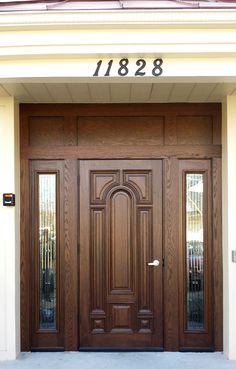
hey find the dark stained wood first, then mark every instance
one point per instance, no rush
(119, 110)
(84, 131)
(195, 130)
(52, 131)
(71, 254)
(24, 128)
(70, 131)
(122, 152)
(199, 339)
(46, 130)
(217, 254)
(172, 132)
(116, 131)
(170, 129)
(120, 232)
(171, 254)
(216, 128)
(25, 257)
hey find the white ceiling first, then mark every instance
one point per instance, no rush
(117, 93)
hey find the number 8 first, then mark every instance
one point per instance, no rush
(157, 70)
(123, 70)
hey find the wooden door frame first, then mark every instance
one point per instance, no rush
(170, 154)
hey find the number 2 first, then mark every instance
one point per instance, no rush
(143, 65)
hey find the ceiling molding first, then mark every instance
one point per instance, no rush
(161, 18)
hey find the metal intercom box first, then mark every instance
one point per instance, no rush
(8, 199)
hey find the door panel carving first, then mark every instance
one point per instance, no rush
(97, 256)
(101, 183)
(123, 236)
(145, 254)
(121, 242)
(140, 183)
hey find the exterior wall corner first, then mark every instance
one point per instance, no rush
(229, 236)
(9, 231)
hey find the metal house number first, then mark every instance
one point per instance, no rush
(123, 69)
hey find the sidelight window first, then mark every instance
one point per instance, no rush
(47, 250)
(194, 250)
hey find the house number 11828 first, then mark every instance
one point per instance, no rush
(123, 69)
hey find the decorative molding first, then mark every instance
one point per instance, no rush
(186, 18)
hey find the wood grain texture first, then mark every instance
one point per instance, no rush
(140, 132)
(195, 130)
(116, 131)
(216, 116)
(71, 255)
(46, 130)
(70, 137)
(171, 254)
(97, 221)
(25, 257)
(126, 309)
(217, 254)
(122, 152)
(121, 242)
(170, 129)
(144, 239)
(121, 319)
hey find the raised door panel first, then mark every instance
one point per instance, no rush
(125, 130)
(121, 243)
(120, 295)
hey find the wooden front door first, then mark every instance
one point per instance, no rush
(120, 233)
(85, 282)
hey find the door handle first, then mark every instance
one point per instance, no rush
(155, 263)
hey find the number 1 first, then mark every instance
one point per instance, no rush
(97, 69)
(107, 74)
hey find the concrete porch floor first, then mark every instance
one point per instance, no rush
(120, 360)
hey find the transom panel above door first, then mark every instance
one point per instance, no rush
(120, 234)
(85, 282)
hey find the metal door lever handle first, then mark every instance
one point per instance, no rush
(155, 263)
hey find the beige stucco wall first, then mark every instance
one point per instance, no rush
(9, 231)
(229, 223)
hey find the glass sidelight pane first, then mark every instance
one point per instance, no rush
(47, 250)
(195, 251)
